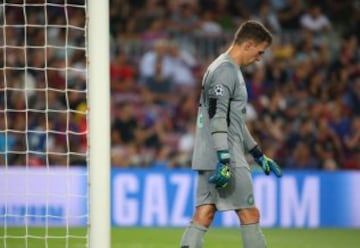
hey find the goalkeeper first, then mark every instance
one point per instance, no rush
(222, 138)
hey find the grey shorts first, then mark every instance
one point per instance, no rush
(238, 194)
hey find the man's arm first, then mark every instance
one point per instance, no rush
(219, 94)
(267, 164)
(249, 141)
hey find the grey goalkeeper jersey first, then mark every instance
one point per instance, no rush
(221, 116)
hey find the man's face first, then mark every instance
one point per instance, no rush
(254, 52)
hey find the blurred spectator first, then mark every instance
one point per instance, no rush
(328, 145)
(120, 68)
(156, 71)
(339, 121)
(303, 131)
(184, 64)
(39, 140)
(257, 84)
(155, 31)
(7, 139)
(182, 158)
(268, 16)
(184, 19)
(120, 11)
(185, 112)
(352, 144)
(227, 13)
(289, 16)
(209, 26)
(352, 162)
(353, 97)
(156, 136)
(314, 20)
(183, 22)
(301, 158)
(330, 165)
(152, 10)
(123, 135)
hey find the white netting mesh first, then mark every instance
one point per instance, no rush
(43, 123)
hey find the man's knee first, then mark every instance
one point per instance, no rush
(249, 215)
(204, 215)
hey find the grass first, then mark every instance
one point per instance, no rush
(170, 237)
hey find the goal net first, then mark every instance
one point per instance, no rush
(43, 124)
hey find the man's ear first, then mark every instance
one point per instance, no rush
(248, 44)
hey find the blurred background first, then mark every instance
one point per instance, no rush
(303, 96)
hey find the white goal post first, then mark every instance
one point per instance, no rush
(99, 109)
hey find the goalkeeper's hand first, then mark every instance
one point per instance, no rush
(267, 164)
(222, 174)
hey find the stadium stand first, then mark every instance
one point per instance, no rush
(306, 90)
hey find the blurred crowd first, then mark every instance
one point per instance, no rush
(304, 96)
(42, 83)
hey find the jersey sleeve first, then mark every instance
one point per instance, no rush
(249, 141)
(219, 93)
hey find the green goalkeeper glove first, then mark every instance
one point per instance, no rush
(267, 164)
(222, 174)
